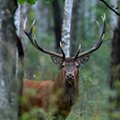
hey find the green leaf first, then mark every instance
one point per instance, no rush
(21, 1)
(31, 1)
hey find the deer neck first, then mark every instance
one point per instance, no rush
(67, 93)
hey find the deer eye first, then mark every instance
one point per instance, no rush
(62, 66)
(77, 66)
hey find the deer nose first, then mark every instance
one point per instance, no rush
(70, 76)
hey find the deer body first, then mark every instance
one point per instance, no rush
(60, 93)
(36, 94)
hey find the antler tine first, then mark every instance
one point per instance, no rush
(98, 43)
(78, 52)
(29, 34)
(62, 50)
(35, 44)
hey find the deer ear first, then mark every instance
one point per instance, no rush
(82, 60)
(56, 60)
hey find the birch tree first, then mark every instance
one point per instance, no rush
(66, 26)
(9, 93)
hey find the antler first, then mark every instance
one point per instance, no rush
(98, 43)
(35, 44)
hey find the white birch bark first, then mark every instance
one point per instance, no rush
(8, 84)
(66, 26)
(20, 16)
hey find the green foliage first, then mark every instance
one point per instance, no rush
(29, 1)
(21, 1)
(35, 114)
(115, 115)
(33, 1)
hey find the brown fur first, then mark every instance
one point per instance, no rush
(56, 95)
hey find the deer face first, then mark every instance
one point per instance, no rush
(69, 68)
(70, 71)
(69, 76)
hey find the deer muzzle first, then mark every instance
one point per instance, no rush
(70, 77)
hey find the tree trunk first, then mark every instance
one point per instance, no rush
(113, 17)
(115, 74)
(57, 16)
(66, 26)
(8, 42)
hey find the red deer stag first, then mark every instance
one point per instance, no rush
(61, 92)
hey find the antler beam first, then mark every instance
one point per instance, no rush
(35, 44)
(98, 43)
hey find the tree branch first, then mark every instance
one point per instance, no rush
(110, 7)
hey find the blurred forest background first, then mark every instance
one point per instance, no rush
(93, 102)
(99, 84)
